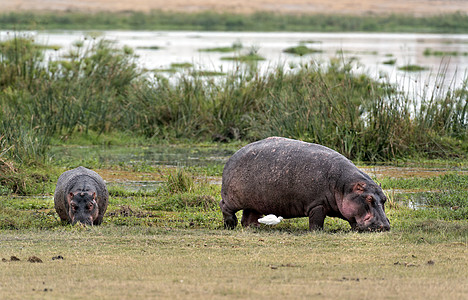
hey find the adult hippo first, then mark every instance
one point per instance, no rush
(81, 196)
(290, 178)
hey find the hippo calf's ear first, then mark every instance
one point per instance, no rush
(94, 196)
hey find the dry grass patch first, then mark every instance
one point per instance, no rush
(123, 262)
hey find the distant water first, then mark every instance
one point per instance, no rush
(159, 49)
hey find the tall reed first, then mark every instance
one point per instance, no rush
(99, 88)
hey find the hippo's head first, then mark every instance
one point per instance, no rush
(82, 207)
(363, 206)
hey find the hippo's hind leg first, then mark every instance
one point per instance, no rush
(250, 217)
(230, 219)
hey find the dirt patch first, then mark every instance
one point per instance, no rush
(34, 259)
(418, 7)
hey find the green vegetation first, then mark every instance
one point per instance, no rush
(235, 47)
(412, 68)
(359, 117)
(390, 62)
(211, 21)
(251, 56)
(301, 50)
(430, 52)
(244, 58)
(181, 65)
(149, 47)
(207, 73)
(172, 239)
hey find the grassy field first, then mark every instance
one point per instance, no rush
(127, 262)
(455, 22)
(170, 243)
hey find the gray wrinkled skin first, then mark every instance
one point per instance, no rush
(293, 179)
(81, 196)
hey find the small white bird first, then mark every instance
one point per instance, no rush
(270, 220)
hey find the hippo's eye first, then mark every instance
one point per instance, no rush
(370, 200)
(74, 207)
(89, 206)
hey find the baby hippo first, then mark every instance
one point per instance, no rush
(81, 196)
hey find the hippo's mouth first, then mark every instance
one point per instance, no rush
(373, 227)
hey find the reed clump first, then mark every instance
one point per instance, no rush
(98, 88)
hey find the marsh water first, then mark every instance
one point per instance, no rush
(134, 161)
(372, 53)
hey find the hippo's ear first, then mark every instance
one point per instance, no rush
(69, 197)
(359, 187)
(94, 196)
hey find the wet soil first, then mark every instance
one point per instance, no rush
(409, 172)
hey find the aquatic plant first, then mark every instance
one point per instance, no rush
(390, 62)
(430, 52)
(301, 50)
(412, 68)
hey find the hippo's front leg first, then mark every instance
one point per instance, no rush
(229, 215)
(316, 218)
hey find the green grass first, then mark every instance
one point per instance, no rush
(251, 57)
(390, 62)
(207, 73)
(301, 50)
(149, 47)
(181, 65)
(211, 21)
(235, 47)
(412, 68)
(430, 52)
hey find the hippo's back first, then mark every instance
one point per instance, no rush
(277, 153)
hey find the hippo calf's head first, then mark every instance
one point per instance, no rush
(82, 207)
(363, 207)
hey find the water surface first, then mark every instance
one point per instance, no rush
(160, 49)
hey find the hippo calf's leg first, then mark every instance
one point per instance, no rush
(250, 217)
(316, 218)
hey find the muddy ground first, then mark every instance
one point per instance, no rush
(356, 7)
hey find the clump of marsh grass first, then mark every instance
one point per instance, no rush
(179, 182)
(301, 50)
(412, 68)
(59, 97)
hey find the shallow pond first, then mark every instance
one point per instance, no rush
(138, 157)
(373, 52)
